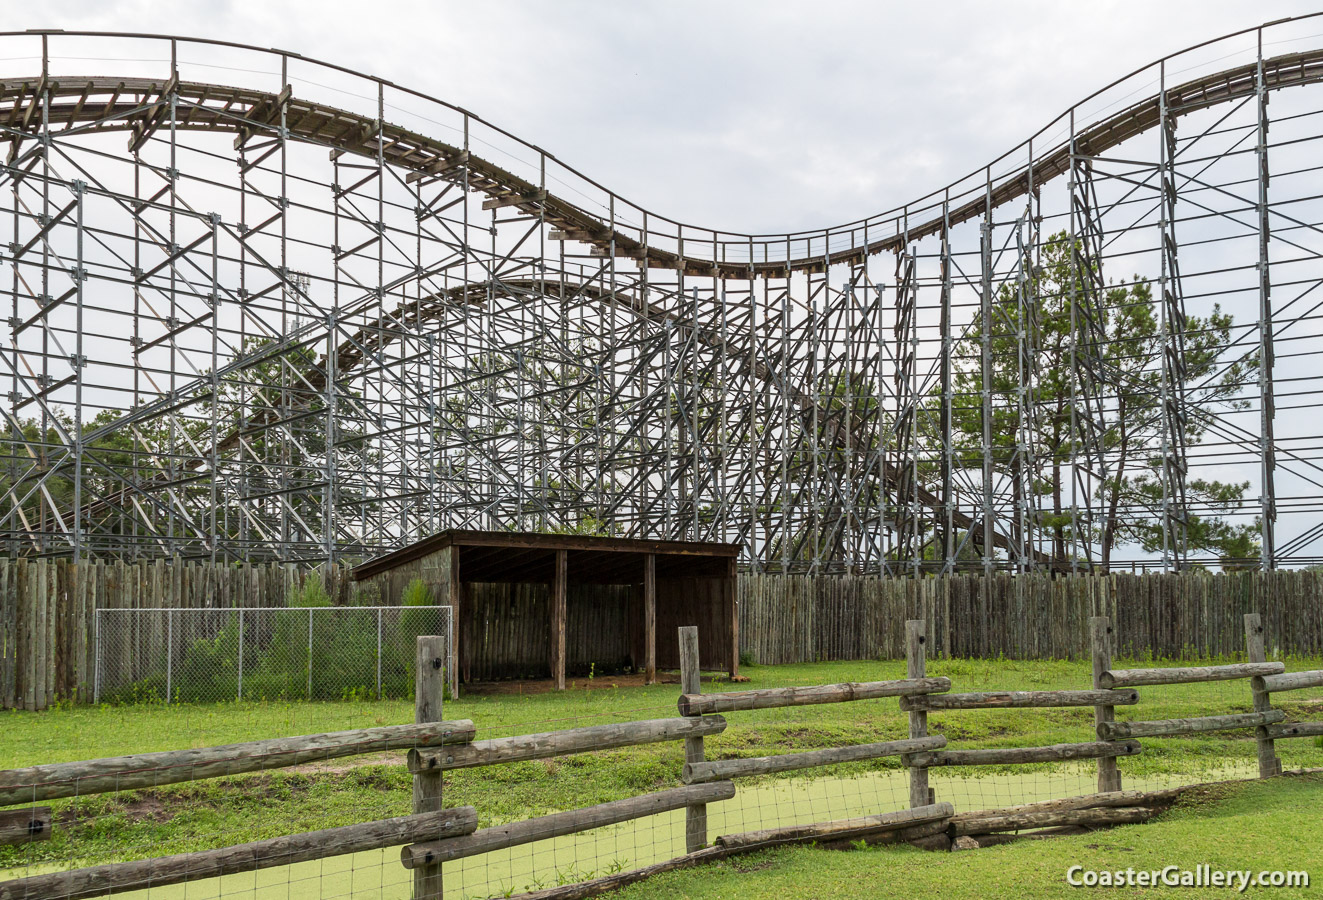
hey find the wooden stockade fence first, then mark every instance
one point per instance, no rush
(433, 835)
(47, 616)
(790, 619)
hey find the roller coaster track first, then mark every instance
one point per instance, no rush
(108, 104)
(70, 106)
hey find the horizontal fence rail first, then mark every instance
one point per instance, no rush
(1010, 755)
(786, 762)
(281, 851)
(143, 770)
(771, 698)
(1018, 700)
(548, 745)
(1123, 678)
(558, 824)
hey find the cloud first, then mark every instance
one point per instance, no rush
(741, 115)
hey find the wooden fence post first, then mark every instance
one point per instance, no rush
(1100, 638)
(1269, 764)
(429, 687)
(916, 662)
(695, 817)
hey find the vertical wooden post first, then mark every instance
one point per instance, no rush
(916, 665)
(1269, 764)
(558, 614)
(695, 817)
(429, 684)
(454, 597)
(1100, 638)
(733, 614)
(650, 618)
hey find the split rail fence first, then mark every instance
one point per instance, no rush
(434, 835)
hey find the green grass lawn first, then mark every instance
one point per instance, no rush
(1268, 825)
(224, 811)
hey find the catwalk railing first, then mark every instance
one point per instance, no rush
(434, 836)
(48, 610)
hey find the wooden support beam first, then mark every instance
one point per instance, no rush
(1112, 731)
(558, 618)
(1019, 700)
(562, 743)
(455, 597)
(730, 596)
(121, 773)
(1122, 678)
(514, 200)
(650, 618)
(841, 829)
(721, 770)
(1002, 756)
(571, 822)
(265, 854)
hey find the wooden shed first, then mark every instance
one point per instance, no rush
(542, 605)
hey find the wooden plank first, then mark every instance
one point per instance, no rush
(117, 773)
(840, 829)
(771, 698)
(1122, 678)
(1019, 699)
(1112, 731)
(551, 744)
(265, 854)
(721, 770)
(1012, 755)
(562, 823)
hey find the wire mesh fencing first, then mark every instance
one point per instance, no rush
(285, 653)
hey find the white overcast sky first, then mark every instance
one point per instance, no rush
(762, 116)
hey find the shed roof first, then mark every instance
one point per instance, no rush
(518, 557)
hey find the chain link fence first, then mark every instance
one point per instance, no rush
(284, 653)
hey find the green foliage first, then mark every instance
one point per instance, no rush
(1033, 444)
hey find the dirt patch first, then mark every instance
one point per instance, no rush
(546, 685)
